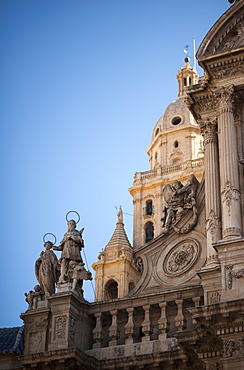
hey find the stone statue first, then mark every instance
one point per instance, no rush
(71, 245)
(76, 274)
(179, 199)
(120, 214)
(47, 270)
(34, 296)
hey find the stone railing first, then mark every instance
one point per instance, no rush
(140, 176)
(141, 319)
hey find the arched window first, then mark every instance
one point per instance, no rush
(111, 289)
(149, 207)
(149, 231)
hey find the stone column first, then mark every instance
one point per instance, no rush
(97, 332)
(229, 179)
(163, 323)
(146, 325)
(129, 326)
(212, 187)
(113, 329)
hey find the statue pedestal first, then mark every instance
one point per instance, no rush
(64, 287)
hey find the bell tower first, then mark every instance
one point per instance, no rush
(175, 152)
(187, 76)
(116, 274)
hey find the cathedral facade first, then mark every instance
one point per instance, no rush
(174, 298)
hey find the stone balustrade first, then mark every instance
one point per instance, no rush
(144, 318)
(141, 176)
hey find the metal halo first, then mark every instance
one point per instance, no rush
(49, 240)
(74, 220)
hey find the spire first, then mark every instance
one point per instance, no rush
(119, 237)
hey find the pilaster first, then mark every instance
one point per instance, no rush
(229, 176)
(212, 187)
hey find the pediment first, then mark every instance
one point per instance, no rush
(226, 34)
(172, 260)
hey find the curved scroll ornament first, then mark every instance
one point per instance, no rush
(139, 264)
(181, 257)
(179, 200)
(236, 274)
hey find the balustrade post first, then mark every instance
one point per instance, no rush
(163, 323)
(113, 329)
(146, 324)
(129, 326)
(98, 332)
(180, 321)
(196, 301)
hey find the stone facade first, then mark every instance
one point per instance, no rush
(175, 299)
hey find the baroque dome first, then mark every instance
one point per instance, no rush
(176, 114)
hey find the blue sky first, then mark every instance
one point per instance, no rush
(82, 84)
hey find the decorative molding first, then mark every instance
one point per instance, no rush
(227, 68)
(205, 103)
(231, 231)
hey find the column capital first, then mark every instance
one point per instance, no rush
(208, 129)
(225, 96)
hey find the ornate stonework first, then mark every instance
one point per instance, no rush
(230, 195)
(60, 327)
(181, 257)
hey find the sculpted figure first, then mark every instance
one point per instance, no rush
(47, 270)
(71, 245)
(34, 296)
(179, 199)
(77, 273)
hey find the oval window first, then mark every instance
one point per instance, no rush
(176, 121)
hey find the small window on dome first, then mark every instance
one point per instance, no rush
(176, 144)
(157, 131)
(176, 121)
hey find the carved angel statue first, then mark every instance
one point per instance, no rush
(47, 270)
(71, 245)
(179, 199)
